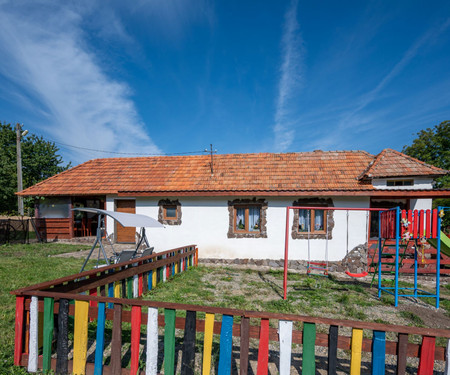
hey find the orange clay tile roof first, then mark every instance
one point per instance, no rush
(308, 171)
(391, 163)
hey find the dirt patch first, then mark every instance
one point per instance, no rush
(339, 297)
(430, 316)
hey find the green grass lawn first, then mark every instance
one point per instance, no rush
(20, 266)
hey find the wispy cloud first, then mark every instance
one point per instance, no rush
(45, 55)
(291, 78)
(358, 118)
(428, 37)
(173, 18)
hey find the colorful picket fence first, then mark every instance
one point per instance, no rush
(35, 319)
(220, 332)
(113, 331)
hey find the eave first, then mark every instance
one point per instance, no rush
(262, 193)
(290, 193)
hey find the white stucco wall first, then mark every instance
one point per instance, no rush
(205, 223)
(419, 183)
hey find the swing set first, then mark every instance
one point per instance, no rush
(320, 268)
(422, 227)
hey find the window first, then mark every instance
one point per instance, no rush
(169, 212)
(313, 223)
(400, 183)
(247, 218)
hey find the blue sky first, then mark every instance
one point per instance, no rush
(169, 76)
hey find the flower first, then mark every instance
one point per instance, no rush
(405, 222)
(406, 236)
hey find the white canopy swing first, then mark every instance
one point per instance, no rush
(126, 220)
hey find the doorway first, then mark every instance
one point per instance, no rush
(125, 234)
(383, 203)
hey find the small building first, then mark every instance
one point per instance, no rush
(234, 205)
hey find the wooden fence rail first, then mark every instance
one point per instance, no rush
(58, 328)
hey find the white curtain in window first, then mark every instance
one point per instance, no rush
(240, 218)
(302, 222)
(253, 219)
(318, 220)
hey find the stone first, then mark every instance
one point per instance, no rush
(356, 260)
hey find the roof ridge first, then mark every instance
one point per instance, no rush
(228, 154)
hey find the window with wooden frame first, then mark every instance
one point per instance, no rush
(247, 218)
(314, 223)
(169, 212)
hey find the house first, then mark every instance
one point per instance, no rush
(234, 205)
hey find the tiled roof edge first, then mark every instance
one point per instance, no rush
(55, 176)
(372, 165)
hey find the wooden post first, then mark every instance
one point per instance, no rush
(355, 362)
(34, 329)
(169, 342)
(309, 342)
(285, 334)
(62, 348)
(226, 345)
(426, 363)
(207, 344)
(244, 345)
(80, 337)
(263, 350)
(48, 334)
(100, 342)
(135, 338)
(152, 341)
(116, 341)
(332, 349)
(188, 358)
(402, 347)
(379, 352)
(18, 341)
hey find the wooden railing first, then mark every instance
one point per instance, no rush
(119, 282)
(199, 333)
(416, 223)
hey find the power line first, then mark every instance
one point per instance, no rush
(125, 153)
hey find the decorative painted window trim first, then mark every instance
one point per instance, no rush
(313, 202)
(262, 204)
(163, 204)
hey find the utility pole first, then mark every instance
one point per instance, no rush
(212, 159)
(19, 135)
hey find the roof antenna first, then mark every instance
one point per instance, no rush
(212, 159)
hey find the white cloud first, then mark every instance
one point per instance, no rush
(291, 77)
(45, 55)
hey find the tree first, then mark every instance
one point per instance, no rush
(432, 146)
(40, 160)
